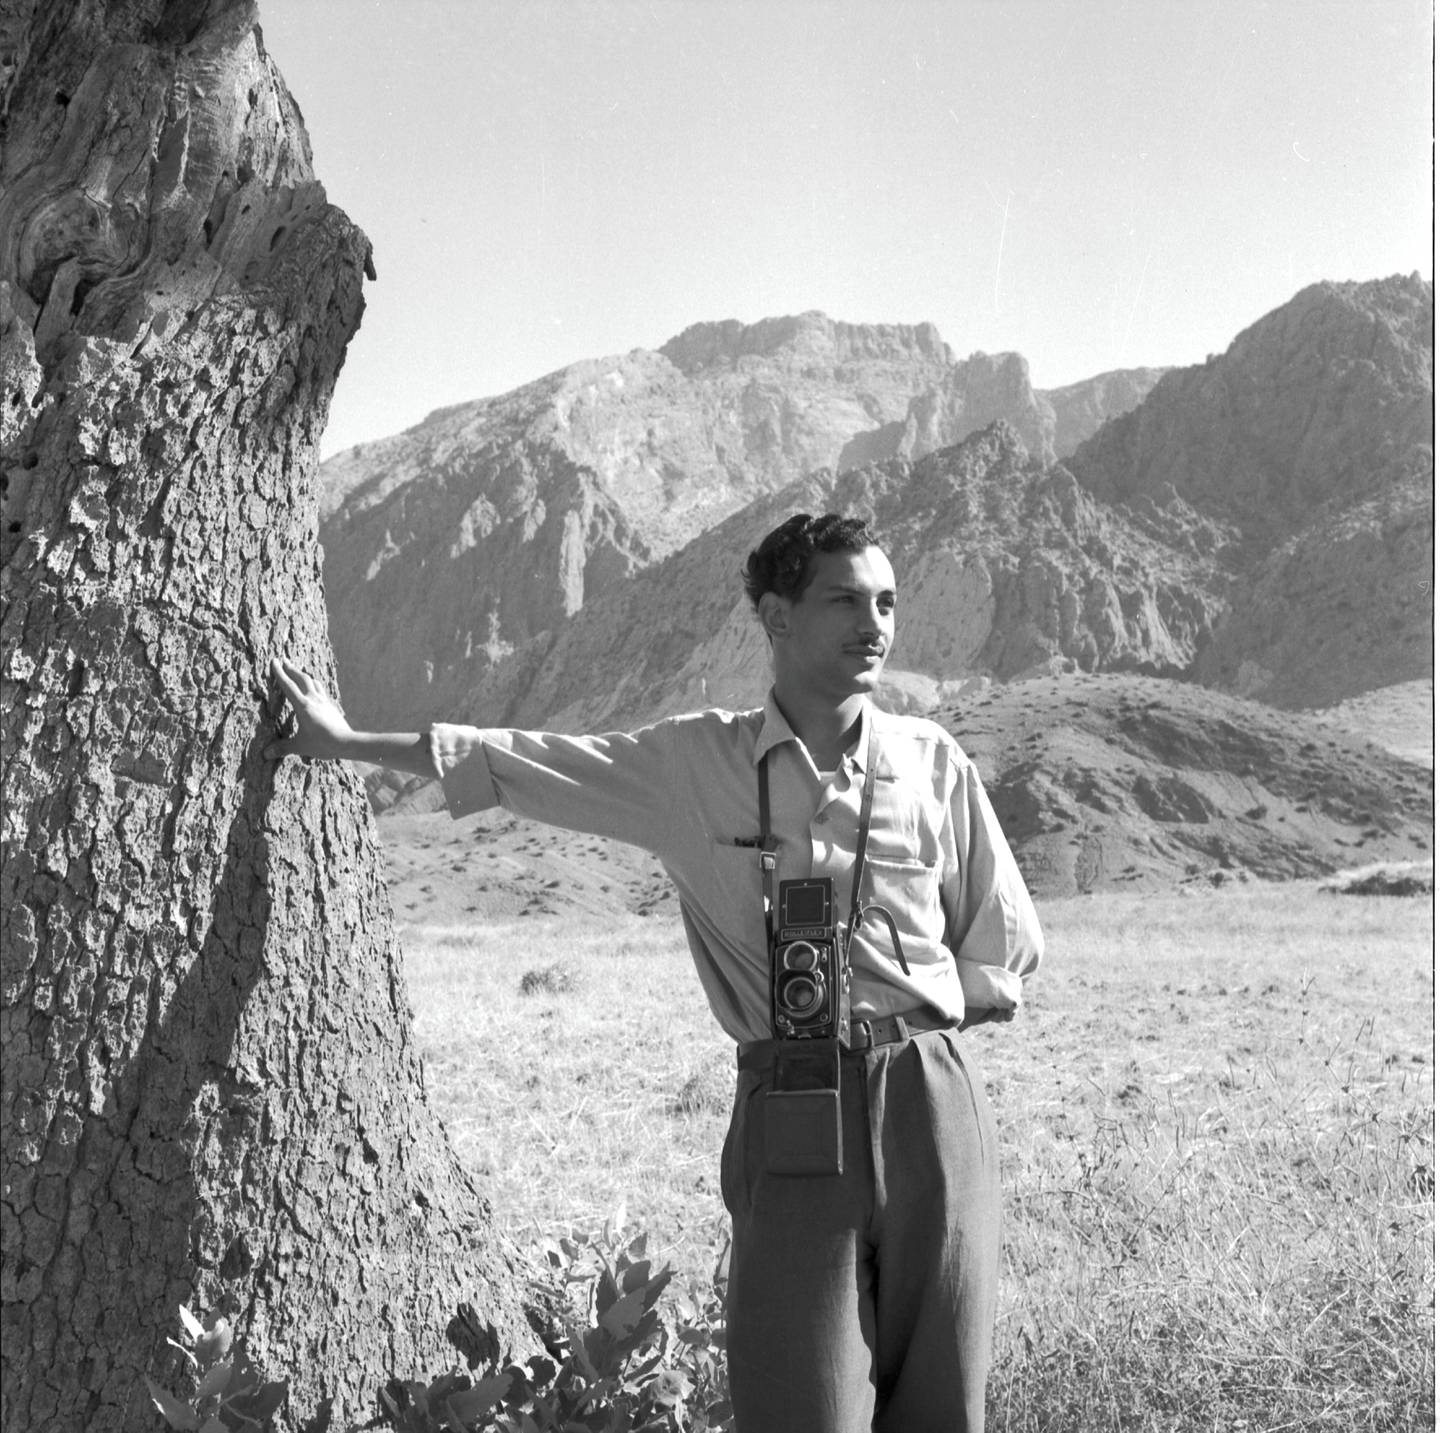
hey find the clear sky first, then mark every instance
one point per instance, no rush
(1095, 184)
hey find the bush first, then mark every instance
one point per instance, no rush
(553, 979)
(618, 1361)
(229, 1395)
(622, 1363)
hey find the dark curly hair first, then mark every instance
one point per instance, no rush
(782, 562)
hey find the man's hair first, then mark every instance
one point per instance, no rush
(783, 561)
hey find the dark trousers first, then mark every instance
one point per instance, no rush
(866, 1300)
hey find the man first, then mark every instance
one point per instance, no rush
(862, 1290)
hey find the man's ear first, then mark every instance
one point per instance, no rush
(774, 613)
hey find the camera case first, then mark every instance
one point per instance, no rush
(802, 1110)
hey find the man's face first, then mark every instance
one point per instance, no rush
(835, 636)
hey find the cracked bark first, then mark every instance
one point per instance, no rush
(211, 1091)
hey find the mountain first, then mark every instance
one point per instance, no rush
(453, 545)
(1009, 567)
(1329, 398)
(1013, 566)
(988, 388)
(1258, 525)
(1106, 781)
(1312, 440)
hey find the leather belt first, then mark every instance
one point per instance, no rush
(860, 1036)
(890, 1029)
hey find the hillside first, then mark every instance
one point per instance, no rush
(1260, 525)
(1312, 439)
(1115, 781)
(1008, 566)
(1328, 398)
(451, 546)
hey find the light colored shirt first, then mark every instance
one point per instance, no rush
(686, 790)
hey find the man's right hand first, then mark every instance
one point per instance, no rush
(321, 728)
(322, 732)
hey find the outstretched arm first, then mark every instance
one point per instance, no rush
(322, 732)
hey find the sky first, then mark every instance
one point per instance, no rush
(1094, 184)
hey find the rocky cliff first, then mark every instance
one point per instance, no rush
(1260, 522)
(988, 388)
(1330, 397)
(455, 544)
(1010, 567)
(1082, 409)
(1312, 439)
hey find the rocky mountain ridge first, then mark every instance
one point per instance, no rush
(1328, 398)
(455, 544)
(1045, 604)
(1312, 440)
(1010, 566)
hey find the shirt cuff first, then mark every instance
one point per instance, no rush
(989, 987)
(458, 755)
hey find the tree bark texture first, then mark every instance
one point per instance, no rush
(211, 1092)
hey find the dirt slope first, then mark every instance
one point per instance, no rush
(1133, 781)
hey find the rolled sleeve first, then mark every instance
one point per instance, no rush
(994, 932)
(458, 755)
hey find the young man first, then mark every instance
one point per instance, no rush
(862, 1289)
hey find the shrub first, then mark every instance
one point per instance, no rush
(617, 1360)
(553, 979)
(229, 1395)
(622, 1363)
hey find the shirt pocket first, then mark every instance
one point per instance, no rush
(910, 891)
(904, 830)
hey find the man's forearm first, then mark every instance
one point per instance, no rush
(400, 751)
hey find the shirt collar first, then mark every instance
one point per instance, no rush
(776, 731)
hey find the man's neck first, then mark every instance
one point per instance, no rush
(829, 729)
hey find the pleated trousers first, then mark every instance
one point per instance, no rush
(866, 1300)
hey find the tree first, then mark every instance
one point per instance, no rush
(211, 1090)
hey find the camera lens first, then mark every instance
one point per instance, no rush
(800, 955)
(800, 995)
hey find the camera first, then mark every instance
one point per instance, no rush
(804, 964)
(802, 1107)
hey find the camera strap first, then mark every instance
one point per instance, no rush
(769, 845)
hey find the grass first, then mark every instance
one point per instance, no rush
(1218, 1123)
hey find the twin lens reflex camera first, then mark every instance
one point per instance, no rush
(802, 1108)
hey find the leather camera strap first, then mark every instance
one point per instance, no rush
(769, 845)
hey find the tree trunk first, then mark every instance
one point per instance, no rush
(211, 1091)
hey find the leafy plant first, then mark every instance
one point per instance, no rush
(623, 1362)
(229, 1394)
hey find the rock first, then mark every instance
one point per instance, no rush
(1131, 782)
(1329, 397)
(1303, 458)
(1082, 409)
(1006, 566)
(485, 527)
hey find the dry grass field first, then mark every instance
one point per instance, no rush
(1218, 1115)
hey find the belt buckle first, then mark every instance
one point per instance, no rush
(863, 1029)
